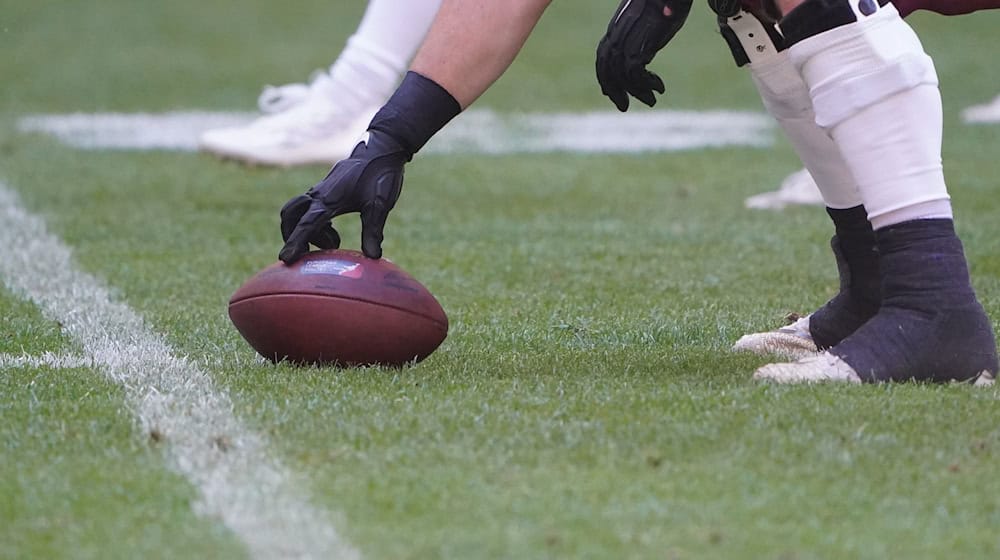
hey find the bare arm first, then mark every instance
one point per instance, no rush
(472, 42)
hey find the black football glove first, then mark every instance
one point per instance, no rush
(369, 182)
(636, 33)
(725, 8)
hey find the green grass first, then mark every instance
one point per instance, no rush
(584, 404)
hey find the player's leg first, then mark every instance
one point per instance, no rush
(799, 186)
(875, 90)
(786, 98)
(320, 122)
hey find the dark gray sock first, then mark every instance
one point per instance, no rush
(930, 326)
(860, 284)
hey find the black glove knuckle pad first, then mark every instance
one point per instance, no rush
(371, 177)
(370, 180)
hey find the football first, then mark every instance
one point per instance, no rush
(338, 308)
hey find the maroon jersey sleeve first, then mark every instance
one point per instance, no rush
(946, 7)
(907, 7)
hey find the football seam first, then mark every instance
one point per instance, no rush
(363, 300)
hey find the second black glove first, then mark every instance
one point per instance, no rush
(638, 30)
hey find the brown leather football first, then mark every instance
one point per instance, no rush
(338, 308)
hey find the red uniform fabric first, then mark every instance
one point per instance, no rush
(907, 7)
(946, 7)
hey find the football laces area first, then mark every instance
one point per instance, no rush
(585, 403)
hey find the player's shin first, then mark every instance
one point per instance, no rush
(755, 43)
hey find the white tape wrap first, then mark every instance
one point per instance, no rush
(875, 91)
(855, 66)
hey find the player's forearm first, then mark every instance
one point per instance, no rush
(472, 42)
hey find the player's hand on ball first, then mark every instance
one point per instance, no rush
(638, 30)
(369, 182)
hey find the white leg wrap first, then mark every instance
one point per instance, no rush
(875, 91)
(786, 98)
(395, 29)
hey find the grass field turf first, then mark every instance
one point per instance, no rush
(584, 405)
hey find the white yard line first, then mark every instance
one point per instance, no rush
(239, 480)
(798, 188)
(475, 131)
(987, 113)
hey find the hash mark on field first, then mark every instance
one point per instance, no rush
(46, 359)
(474, 131)
(241, 482)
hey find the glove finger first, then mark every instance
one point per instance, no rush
(616, 93)
(326, 238)
(644, 95)
(373, 217)
(610, 81)
(291, 213)
(620, 99)
(724, 8)
(297, 244)
(643, 86)
(654, 82)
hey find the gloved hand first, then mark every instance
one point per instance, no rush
(369, 182)
(726, 8)
(637, 32)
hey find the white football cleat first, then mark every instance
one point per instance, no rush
(276, 99)
(791, 342)
(302, 125)
(823, 367)
(985, 379)
(986, 113)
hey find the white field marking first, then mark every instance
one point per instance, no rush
(983, 114)
(46, 359)
(238, 479)
(798, 188)
(475, 131)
